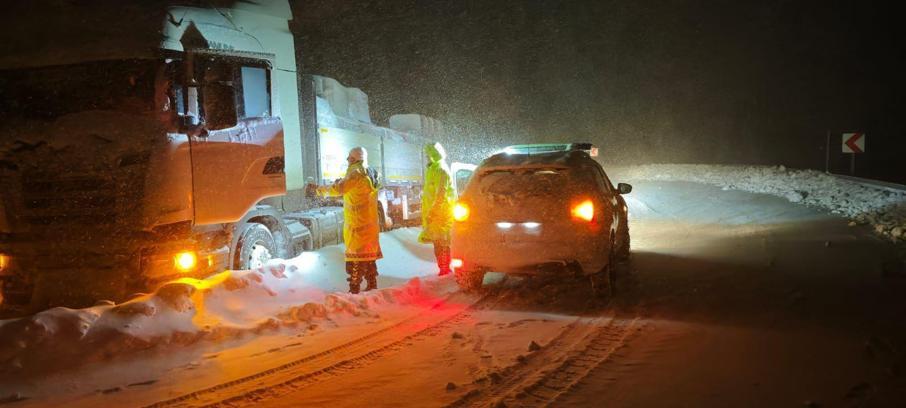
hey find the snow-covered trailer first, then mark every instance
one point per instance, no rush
(342, 121)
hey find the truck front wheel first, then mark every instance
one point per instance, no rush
(255, 247)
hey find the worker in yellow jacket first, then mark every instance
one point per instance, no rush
(360, 229)
(437, 206)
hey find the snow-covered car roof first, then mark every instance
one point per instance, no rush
(512, 161)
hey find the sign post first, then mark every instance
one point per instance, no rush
(853, 143)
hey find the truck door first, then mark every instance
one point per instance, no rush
(237, 155)
(462, 173)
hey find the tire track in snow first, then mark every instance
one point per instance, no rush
(551, 372)
(317, 367)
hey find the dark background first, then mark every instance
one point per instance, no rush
(648, 81)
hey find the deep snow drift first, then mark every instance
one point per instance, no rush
(882, 209)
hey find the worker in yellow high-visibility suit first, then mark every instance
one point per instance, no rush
(437, 206)
(360, 229)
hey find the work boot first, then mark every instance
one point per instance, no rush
(443, 256)
(371, 276)
(354, 270)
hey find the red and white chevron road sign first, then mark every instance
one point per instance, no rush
(854, 143)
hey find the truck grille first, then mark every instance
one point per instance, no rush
(69, 200)
(100, 196)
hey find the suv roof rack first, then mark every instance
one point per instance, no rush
(550, 147)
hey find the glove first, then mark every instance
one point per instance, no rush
(311, 190)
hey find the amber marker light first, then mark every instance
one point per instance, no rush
(185, 261)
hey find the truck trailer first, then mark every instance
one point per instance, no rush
(146, 141)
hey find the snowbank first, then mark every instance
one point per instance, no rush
(283, 294)
(883, 209)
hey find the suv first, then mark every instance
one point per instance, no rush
(533, 207)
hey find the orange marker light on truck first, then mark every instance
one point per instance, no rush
(185, 261)
(4, 262)
(584, 211)
(460, 212)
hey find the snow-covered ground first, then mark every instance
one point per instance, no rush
(884, 210)
(733, 299)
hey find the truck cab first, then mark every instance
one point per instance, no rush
(140, 147)
(146, 141)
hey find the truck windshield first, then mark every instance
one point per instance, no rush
(50, 92)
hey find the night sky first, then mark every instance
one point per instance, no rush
(660, 81)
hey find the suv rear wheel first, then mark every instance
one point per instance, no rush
(623, 252)
(604, 282)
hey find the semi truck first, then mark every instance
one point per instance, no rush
(145, 141)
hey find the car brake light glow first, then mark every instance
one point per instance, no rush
(455, 263)
(185, 261)
(585, 210)
(460, 212)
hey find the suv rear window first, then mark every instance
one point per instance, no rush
(532, 182)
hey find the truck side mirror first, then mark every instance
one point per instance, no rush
(624, 188)
(190, 123)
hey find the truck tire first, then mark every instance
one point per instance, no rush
(469, 280)
(255, 247)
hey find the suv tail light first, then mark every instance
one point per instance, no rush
(584, 211)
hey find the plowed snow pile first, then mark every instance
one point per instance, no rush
(883, 209)
(185, 311)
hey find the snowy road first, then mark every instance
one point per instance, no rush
(731, 299)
